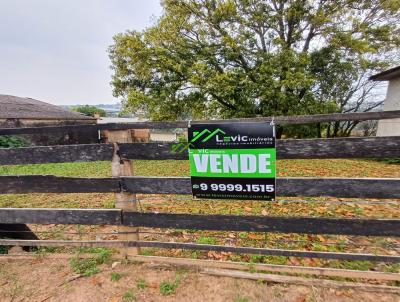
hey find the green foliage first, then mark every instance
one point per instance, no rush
(241, 299)
(88, 169)
(392, 268)
(129, 296)
(354, 265)
(256, 258)
(182, 139)
(169, 287)
(43, 250)
(88, 266)
(115, 276)
(141, 284)
(10, 141)
(207, 240)
(4, 249)
(89, 110)
(390, 161)
(103, 252)
(147, 252)
(246, 58)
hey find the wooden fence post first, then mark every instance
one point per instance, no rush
(125, 201)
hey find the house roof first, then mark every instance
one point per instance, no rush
(27, 108)
(387, 75)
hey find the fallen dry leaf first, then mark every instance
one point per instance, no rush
(115, 299)
(301, 299)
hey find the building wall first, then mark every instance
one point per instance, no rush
(47, 139)
(163, 137)
(391, 127)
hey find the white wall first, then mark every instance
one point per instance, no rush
(163, 137)
(391, 127)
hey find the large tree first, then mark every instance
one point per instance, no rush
(244, 58)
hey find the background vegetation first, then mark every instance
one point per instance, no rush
(89, 110)
(10, 141)
(246, 58)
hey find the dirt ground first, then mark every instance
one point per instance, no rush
(45, 279)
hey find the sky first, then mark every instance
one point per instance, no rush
(56, 50)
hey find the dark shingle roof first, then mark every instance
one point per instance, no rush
(387, 75)
(27, 108)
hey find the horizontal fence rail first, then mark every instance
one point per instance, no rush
(281, 120)
(365, 147)
(303, 225)
(201, 247)
(286, 186)
(56, 154)
(61, 216)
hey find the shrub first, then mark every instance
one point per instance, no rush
(88, 266)
(115, 276)
(89, 110)
(10, 141)
(129, 296)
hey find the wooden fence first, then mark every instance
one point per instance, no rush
(364, 147)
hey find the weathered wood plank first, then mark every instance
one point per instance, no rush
(201, 264)
(339, 187)
(288, 187)
(203, 247)
(49, 129)
(86, 152)
(349, 147)
(162, 185)
(150, 151)
(61, 216)
(54, 184)
(265, 251)
(302, 281)
(65, 243)
(304, 225)
(56, 154)
(365, 147)
(282, 120)
(124, 200)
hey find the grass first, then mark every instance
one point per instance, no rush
(115, 276)
(241, 299)
(207, 240)
(353, 265)
(315, 207)
(4, 249)
(141, 284)
(89, 266)
(85, 169)
(169, 287)
(147, 251)
(86, 267)
(129, 296)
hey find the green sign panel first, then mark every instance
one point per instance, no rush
(235, 161)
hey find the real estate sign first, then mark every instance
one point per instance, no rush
(233, 161)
